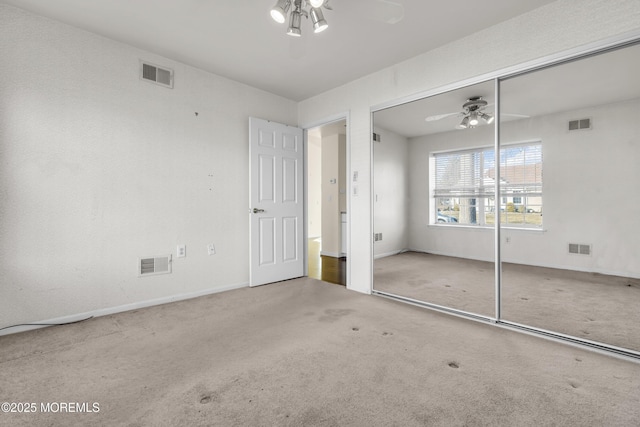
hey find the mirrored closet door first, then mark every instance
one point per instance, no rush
(434, 204)
(570, 198)
(568, 176)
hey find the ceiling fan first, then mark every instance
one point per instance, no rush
(472, 113)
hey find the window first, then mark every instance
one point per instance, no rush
(464, 186)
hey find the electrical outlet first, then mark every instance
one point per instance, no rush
(181, 251)
(211, 249)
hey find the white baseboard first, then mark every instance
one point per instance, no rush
(542, 265)
(121, 308)
(386, 254)
(451, 255)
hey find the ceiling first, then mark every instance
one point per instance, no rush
(597, 80)
(238, 39)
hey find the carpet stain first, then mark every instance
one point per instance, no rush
(385, 334)
(205, 399)
(524, 299)
(355, 329)
(453, 365)
(574, 384)
(447, 286)
(578, 359)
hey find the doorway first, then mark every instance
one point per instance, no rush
(326, 177)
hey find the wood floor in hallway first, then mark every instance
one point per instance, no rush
(329, 269)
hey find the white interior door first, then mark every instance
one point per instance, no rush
(276, 203)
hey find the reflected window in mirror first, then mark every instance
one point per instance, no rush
(463, 192)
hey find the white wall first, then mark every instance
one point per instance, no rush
(590, 191)
(333, 181)
(391, 193)
(549, 30)
(98, 168)
(314, 185)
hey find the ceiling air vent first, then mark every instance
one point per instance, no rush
(580, 124)
(155, 74)
(154, 265)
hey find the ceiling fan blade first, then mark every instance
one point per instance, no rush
(387, 11)
(522, 116)
(440, 116)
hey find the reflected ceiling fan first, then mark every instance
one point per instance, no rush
(472, 114)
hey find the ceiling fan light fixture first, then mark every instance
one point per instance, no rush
(487, 118)
(294, 25)
(296, 9)
(279, 11)
(473, 119)
(464, 124)
(319, 24)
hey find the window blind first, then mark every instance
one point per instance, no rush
(471, 173)
(460, 174)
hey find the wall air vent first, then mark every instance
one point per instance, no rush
(376, 137)
(154, 265)
(580, 124)
(153, 73)
(579, 249)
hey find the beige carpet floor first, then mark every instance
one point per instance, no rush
(591, 306)
(308, 353)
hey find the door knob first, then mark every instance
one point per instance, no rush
(256, 210)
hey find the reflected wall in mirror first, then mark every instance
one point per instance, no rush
(434, 205)
(577, 272)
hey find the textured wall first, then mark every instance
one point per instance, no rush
(560, 26)
(391, 193)
(98, 168)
